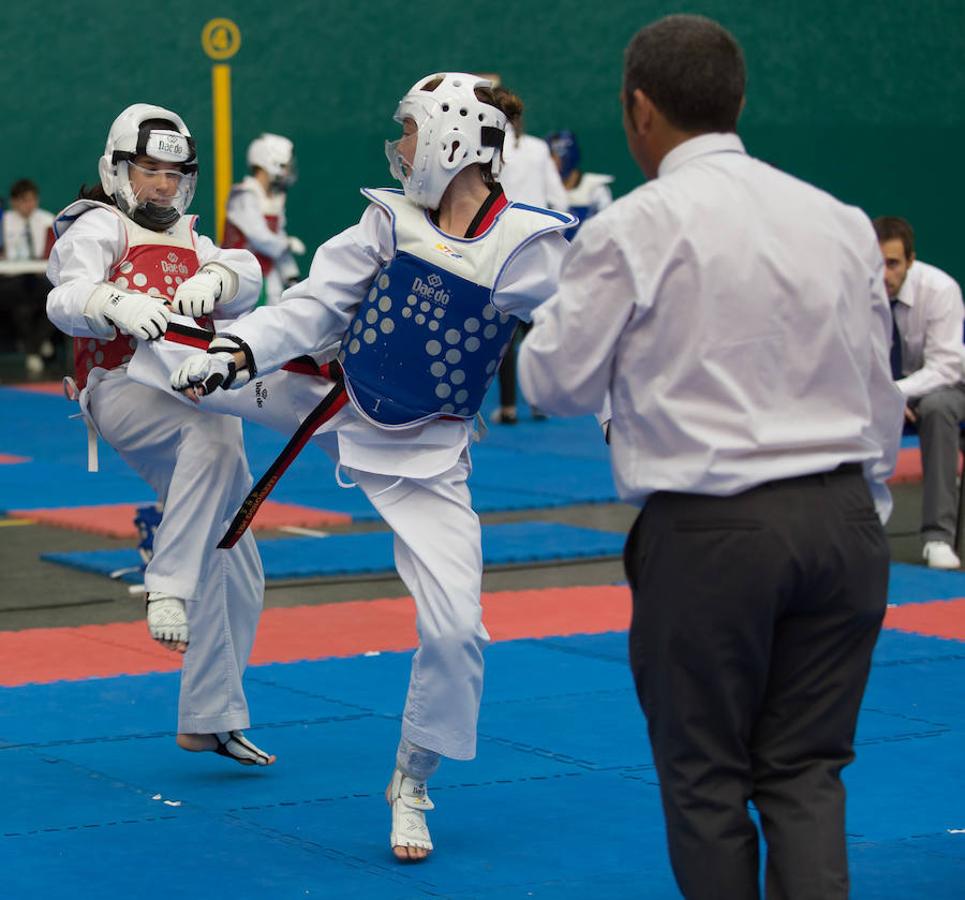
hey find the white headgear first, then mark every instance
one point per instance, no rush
(456, 130)
(275, 154)
(130, 138)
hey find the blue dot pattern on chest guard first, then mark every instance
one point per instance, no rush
(424, 343)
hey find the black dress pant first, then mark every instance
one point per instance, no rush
(507, 368)
(23, 304)
(754, 620)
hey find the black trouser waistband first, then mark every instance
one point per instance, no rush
(852, 468)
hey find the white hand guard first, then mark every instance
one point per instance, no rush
(295, 246)
(138, 315)
(216, 368)
(198, 295)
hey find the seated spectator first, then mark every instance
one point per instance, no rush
(926, 363)
(27, 235)
(587, 192)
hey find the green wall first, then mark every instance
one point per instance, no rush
(862, 98)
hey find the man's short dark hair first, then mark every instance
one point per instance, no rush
(21, 187)
(692, 69)
(890, 228)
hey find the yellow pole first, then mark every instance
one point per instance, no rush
(221, 103)
(221, 39)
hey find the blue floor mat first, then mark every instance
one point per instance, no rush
(350, 554)
(918, 584)
(563, 762)
(533, 465)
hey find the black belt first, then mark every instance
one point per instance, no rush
(851, 468)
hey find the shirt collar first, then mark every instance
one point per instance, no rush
(906, 293)
(702, 145)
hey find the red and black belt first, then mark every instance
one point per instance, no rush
(329, 405)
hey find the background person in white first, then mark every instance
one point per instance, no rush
(255, 215)
(752, 408)
(927, 367)
(529, 176)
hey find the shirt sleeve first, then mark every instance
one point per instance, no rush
(315, 312)
(565, 363)
(531, 276)
(943, 345)
(887, 403)
(244, 210)
(79, 261)
(243, 265)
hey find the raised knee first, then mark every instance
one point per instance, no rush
(939, 404)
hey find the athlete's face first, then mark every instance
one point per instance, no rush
(155, 182)
(408, 143)
(897, 265)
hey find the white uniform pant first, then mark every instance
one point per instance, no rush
(438, 554)
(438, 551)
(196, 464)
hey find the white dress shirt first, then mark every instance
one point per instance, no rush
(929, 314)
(738, 319)
(26, 238)
(529, 174)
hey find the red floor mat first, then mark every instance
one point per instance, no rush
(42, 655)
(117, 520)
(938, 618)
(7, 459)
(908, 467)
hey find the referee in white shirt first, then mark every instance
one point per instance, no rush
(738, 320)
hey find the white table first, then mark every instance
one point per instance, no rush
(23, 266)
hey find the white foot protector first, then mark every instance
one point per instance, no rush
(167, 619)
(410, 802)
(236, 746)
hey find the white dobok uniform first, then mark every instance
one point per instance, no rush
(194, 462)
(255, 220)
(590, 196)
(414, 475)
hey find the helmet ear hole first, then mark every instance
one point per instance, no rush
(452, 151)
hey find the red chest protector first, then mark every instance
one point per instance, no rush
(153, 263)
(234, 239)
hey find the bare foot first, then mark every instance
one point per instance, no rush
(232, 744)
(410, 854)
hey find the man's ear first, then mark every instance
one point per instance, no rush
(641, 112)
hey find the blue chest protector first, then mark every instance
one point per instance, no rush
(427, 340)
